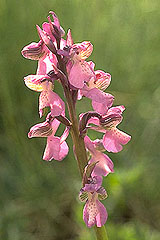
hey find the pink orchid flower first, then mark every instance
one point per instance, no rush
(93, 89)
(79, 71)
(104, 164)
(94, 212)
(47, 97)
(113, 139)
(39, 51)
(56, 147)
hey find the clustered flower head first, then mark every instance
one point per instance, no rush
(62, 60)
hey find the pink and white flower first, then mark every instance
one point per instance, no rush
(56, 147)
(94, 89)
(94, 212)
(47, 97)
(113, 139)
(104, 164)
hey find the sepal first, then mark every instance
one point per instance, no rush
(82, 50)
(46, 39)
(111, 120)
(69, 40)
(87, 172)
(102, 194)
(41, 130)
(35, 82)
(84, 118)
(83, 196)
(34, 51)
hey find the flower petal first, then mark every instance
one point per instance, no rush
(48, 98)
(114, 139)
(84, 49)
(94, 121)
(89, 144)
(89, 213)
(34, 51)
(94, 185)
(47, 29)
(56, 20)
(69, 40)
(98, 96)
(92, 64)
(111, 120)
(102, 215)
(34, 83)
(80, 73)
(104, 165)
(41, 130)
(54, 149)
(83, 196)
(117, 109)
(101, 101)
(63, 151)
(55, 124)
(101, 80)
(86, 214)
(45, 65)
(102, 194)
(101, 108)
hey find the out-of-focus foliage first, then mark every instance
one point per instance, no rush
(38, 200)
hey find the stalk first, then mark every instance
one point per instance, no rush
(101, 233)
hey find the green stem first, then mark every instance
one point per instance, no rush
(80, 150)
(101, 233)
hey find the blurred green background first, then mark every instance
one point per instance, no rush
(38, 200)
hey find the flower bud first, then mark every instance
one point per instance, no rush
(46, 39)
